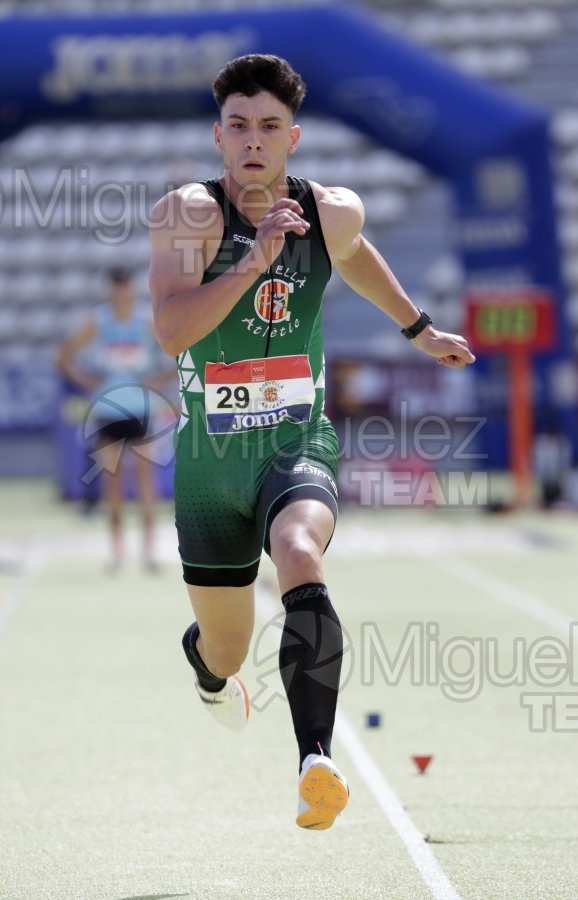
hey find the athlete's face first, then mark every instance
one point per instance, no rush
(255, 136)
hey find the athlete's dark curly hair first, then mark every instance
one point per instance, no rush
(257, 72)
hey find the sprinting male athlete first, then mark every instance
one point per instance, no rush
(239, 266)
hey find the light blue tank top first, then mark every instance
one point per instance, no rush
(123, 353)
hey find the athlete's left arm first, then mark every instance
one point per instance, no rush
(365, 270)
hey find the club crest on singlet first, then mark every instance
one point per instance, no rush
(271, 392)
(278, 292)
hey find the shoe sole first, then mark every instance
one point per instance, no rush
(326, 796)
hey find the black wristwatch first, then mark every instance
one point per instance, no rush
(417, 327)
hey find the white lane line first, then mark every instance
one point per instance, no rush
(13, 596)
(510, 596)
(423, 858)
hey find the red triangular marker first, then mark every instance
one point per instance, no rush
(422, 762)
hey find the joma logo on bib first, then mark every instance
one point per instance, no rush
(258, 420)
(277, 292)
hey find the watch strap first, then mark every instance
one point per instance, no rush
(417, 327)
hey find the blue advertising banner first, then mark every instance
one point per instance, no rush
(28, 397)
(142, 66)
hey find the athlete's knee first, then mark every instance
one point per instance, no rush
(295, 550)
(148, 516)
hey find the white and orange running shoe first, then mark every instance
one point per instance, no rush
(230, 706)
(323, 793)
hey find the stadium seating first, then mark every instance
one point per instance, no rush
(52, 264)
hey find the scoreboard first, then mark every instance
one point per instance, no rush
(517, 322)
(511, 319)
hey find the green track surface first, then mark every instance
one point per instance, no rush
(115, 784)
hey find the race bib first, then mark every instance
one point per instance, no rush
(258, 393)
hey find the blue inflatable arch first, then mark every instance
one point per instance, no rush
(493, 150)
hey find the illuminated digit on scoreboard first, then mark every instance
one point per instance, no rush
(524, 322)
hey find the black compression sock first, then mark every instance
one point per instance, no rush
(207, 680)
(310, 665)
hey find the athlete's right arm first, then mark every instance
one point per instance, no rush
(186, 229)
